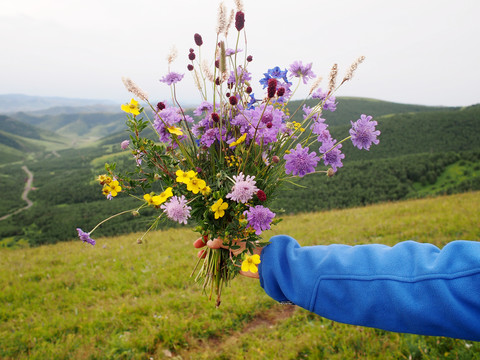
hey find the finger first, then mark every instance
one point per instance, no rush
(199, 243)
(215, 243)
(250, 274)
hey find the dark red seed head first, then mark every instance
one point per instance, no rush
(269, 125)
(217, 63)
(190, 67)
(191, 50)
(161, 106)
(198, 39)
(272, 88)
(248, 90)
(249, 58)
(233, 100)
(217, 81)
(215, 117)
(261, 195)
(191, 56)
(239, 20)
(227, 94)
(281, 91)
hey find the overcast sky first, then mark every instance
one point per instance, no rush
(417, 51)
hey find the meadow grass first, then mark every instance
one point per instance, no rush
(122, 300)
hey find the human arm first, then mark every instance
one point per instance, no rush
(410, 287)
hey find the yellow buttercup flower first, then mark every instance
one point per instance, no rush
(131, 108)
(175, 130)
(240, 140)
(250, 263)
(185, 177)
(206, 190)
(115, 188)
(152, 200)
(196, 184)
(219, 208)
(104, 179)
(165, 195)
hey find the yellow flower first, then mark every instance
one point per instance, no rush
(152, 200)
(106, 190)
(206, 190)
(131, 108)
(175, 130)
(165, 195)
(104, 179)
(240, 140)
(185, 177)
(250, 263)
(115, 188)
(196, 184)
(219, 208)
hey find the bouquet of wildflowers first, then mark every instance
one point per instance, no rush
(220, 169)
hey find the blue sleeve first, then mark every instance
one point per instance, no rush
(410, 287)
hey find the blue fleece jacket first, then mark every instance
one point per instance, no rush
(410, 287)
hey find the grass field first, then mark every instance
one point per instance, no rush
(121, 300)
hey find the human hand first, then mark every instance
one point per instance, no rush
(218, 243)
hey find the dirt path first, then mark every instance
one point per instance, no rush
(214, 345)
(28, 188)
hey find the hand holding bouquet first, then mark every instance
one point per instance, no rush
(220, 169)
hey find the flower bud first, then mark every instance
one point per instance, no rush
(135, 213)
(198, 39)
(261, 195)
(249, 90)
(239, 20)
(161, 106)
(269, 125)
(275, 159)
(232, 100)
(330, 172)
(249, 58)
(190, 67)
(191, 50)
(215, 117)
(272, 88)
(191, 56)
(281, 92)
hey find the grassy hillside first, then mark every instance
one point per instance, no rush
(120, 300)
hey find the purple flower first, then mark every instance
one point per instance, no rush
(259, 218)
(300, 162)
(177, 209)
(363, 132)
(85, 237)
(297, 69)
(172, 78)
(125, 144)
(329, 103)
(204, 106)
(230, 52)
(332, 156)
(243, 189)
(242, 76)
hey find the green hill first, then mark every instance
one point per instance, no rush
(420, 154)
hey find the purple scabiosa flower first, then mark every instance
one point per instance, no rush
(300, 162)
(332, 155)
(204, 106)
(242, 76)
(172, 78)
(297, 69)
(259, 218)
(209, 137)
(166, 118)
(230, 52)
(85, 237)
(243, 189)
(125, 144)
(177, 209)
(363, 132)
(329, 103)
